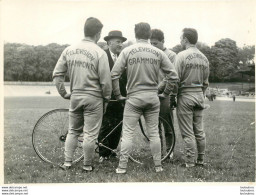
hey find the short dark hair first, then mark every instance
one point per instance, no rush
(142, 30)
(92, 26)
(157, 34)
(191, 35)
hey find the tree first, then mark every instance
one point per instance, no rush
(224, 60)
(30, 63)
(246, 55)
(246, 63)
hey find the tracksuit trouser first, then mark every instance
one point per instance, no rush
(166, 114)
(85, 115)
(190, 107)
(146, 104)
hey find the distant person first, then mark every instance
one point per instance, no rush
(157, 40)
(114, 113)
(234, 97)
(90, 87)
(142, 63)
(193, 70)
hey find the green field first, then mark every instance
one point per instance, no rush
(230, 154)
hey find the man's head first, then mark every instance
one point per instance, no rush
(157, 38)
(189, 37)
(142, 31)
(92, 28)
(115, 41)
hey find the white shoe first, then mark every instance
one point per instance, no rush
(87, 168)
(102, 158)
(65, 166)
(159, 169)
(120, 171)
(200, 163)
(189, 165)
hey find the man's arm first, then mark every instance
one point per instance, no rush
(171, 77)
(59, 83)
(206, 76)
(105, 77)
(116, 73)
(162, 84)
(59, 73)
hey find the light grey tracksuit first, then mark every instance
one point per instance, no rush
(90, 85)
(142, 63)
(193, 69)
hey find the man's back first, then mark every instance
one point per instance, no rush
(86, 63)
(143, 63)
(192, 67)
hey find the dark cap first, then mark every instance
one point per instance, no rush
(115, 34)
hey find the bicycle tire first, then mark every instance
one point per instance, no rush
(49, 135)
(141, 152)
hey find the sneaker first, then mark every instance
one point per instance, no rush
(87, 168)
(188, 165)
(102, 158)
(159, 169)
(65, 166)
(120, 170)
(200, 163)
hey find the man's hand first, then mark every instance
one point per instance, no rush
(161, 87)
(163, 96)
(120, 98)
(173, 102)
(105, 105)
(67, 96)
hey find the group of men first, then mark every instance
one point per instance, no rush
(143, 76)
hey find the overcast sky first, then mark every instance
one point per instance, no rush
(43, 22)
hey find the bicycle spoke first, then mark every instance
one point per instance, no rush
(47, 137)
(141, 152)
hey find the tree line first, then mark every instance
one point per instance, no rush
(24, 62)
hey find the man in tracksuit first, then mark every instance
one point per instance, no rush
(193, 70)
(157, 40)
(90, 86)
(142, 62)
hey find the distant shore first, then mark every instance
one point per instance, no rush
(242, 86)
(37, 83)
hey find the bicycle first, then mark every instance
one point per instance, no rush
(50, 131)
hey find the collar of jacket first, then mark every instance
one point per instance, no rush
(142, 41)
(112, 54)
(89, 40)
(191, 46)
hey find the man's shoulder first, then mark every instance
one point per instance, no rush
(97, 49)
(203, 56)
(169, 52)
(182, 54)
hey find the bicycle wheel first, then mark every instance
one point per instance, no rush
(49, 136)
(141, 152)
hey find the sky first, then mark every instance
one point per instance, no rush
(42, 22)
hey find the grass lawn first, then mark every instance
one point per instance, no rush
(230, 154)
